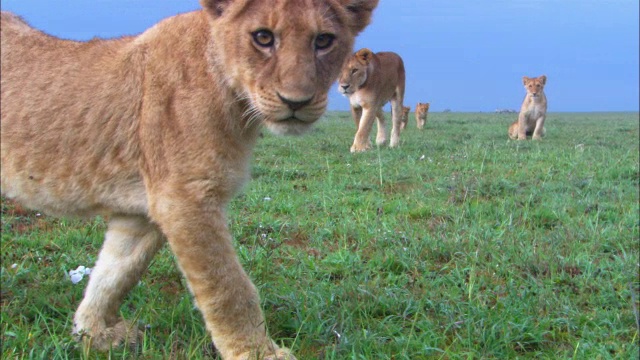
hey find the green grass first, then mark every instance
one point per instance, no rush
(460, 244)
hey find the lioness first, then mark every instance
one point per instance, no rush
(370, 81)
(533, 111)
(404, 120)
(422, 109)
(157, 132)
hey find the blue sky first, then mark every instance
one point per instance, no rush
(459, 55)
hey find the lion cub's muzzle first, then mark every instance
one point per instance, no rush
(294, 116)
(295, 104)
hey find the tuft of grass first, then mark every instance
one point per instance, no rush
(458, 244)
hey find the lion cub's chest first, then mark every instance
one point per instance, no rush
(534, 110)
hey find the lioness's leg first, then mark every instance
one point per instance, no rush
(229, 302)
(396, 118)
(130, 244)
(361, 141)
(538, 132)
(356, 113)
(381, 137)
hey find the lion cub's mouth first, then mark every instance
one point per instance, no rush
(291, 125)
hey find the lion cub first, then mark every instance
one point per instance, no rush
(533, 111)
(157, 132)
(422, 109)
(405, 117)
(370, 81)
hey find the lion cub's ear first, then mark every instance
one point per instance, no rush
(361, 13)
(364, 56)
(525, 80)
(543, 79)
(215, 7)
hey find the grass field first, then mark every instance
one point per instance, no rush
(460, 244)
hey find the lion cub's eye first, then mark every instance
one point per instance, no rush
(263, 38)
(353, 71)
(323, 41)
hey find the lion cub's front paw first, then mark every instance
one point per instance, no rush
(106, 338)
(279, 354)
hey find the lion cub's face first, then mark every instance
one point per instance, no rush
(422, 108)
(354, 72)
(534, 86)
(283, 55)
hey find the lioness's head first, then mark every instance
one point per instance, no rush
(534, 86)
(354, 72)
(283, 55)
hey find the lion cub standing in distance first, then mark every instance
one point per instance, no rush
(533, 111)
(422, 109)
(405, 117)
(157, 132)
(369, 81)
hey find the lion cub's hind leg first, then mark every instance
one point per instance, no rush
(381, 137)
(513, 130)
(130, 244)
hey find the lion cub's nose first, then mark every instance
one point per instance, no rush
(344, 87)
(295, 104)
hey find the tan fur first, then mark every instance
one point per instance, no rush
(370, 81)
(533, 111)
(422, 109)
(404, 120)
(157, 132)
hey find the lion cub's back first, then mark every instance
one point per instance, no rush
(67, 122)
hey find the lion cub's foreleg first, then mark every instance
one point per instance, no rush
(130, 244)
(198, 235)
(539, 131)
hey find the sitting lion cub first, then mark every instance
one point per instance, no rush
(370, 81)
(422, 109)
(533, 111)
(157, 132)
(404, 120)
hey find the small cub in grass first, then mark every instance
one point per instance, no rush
(533, 111)
(422, 109)
(404, 120)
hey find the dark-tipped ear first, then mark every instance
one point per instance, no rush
(525, 79)
(215, 7)
(543, 79)
(360, 11)
(364, 56)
